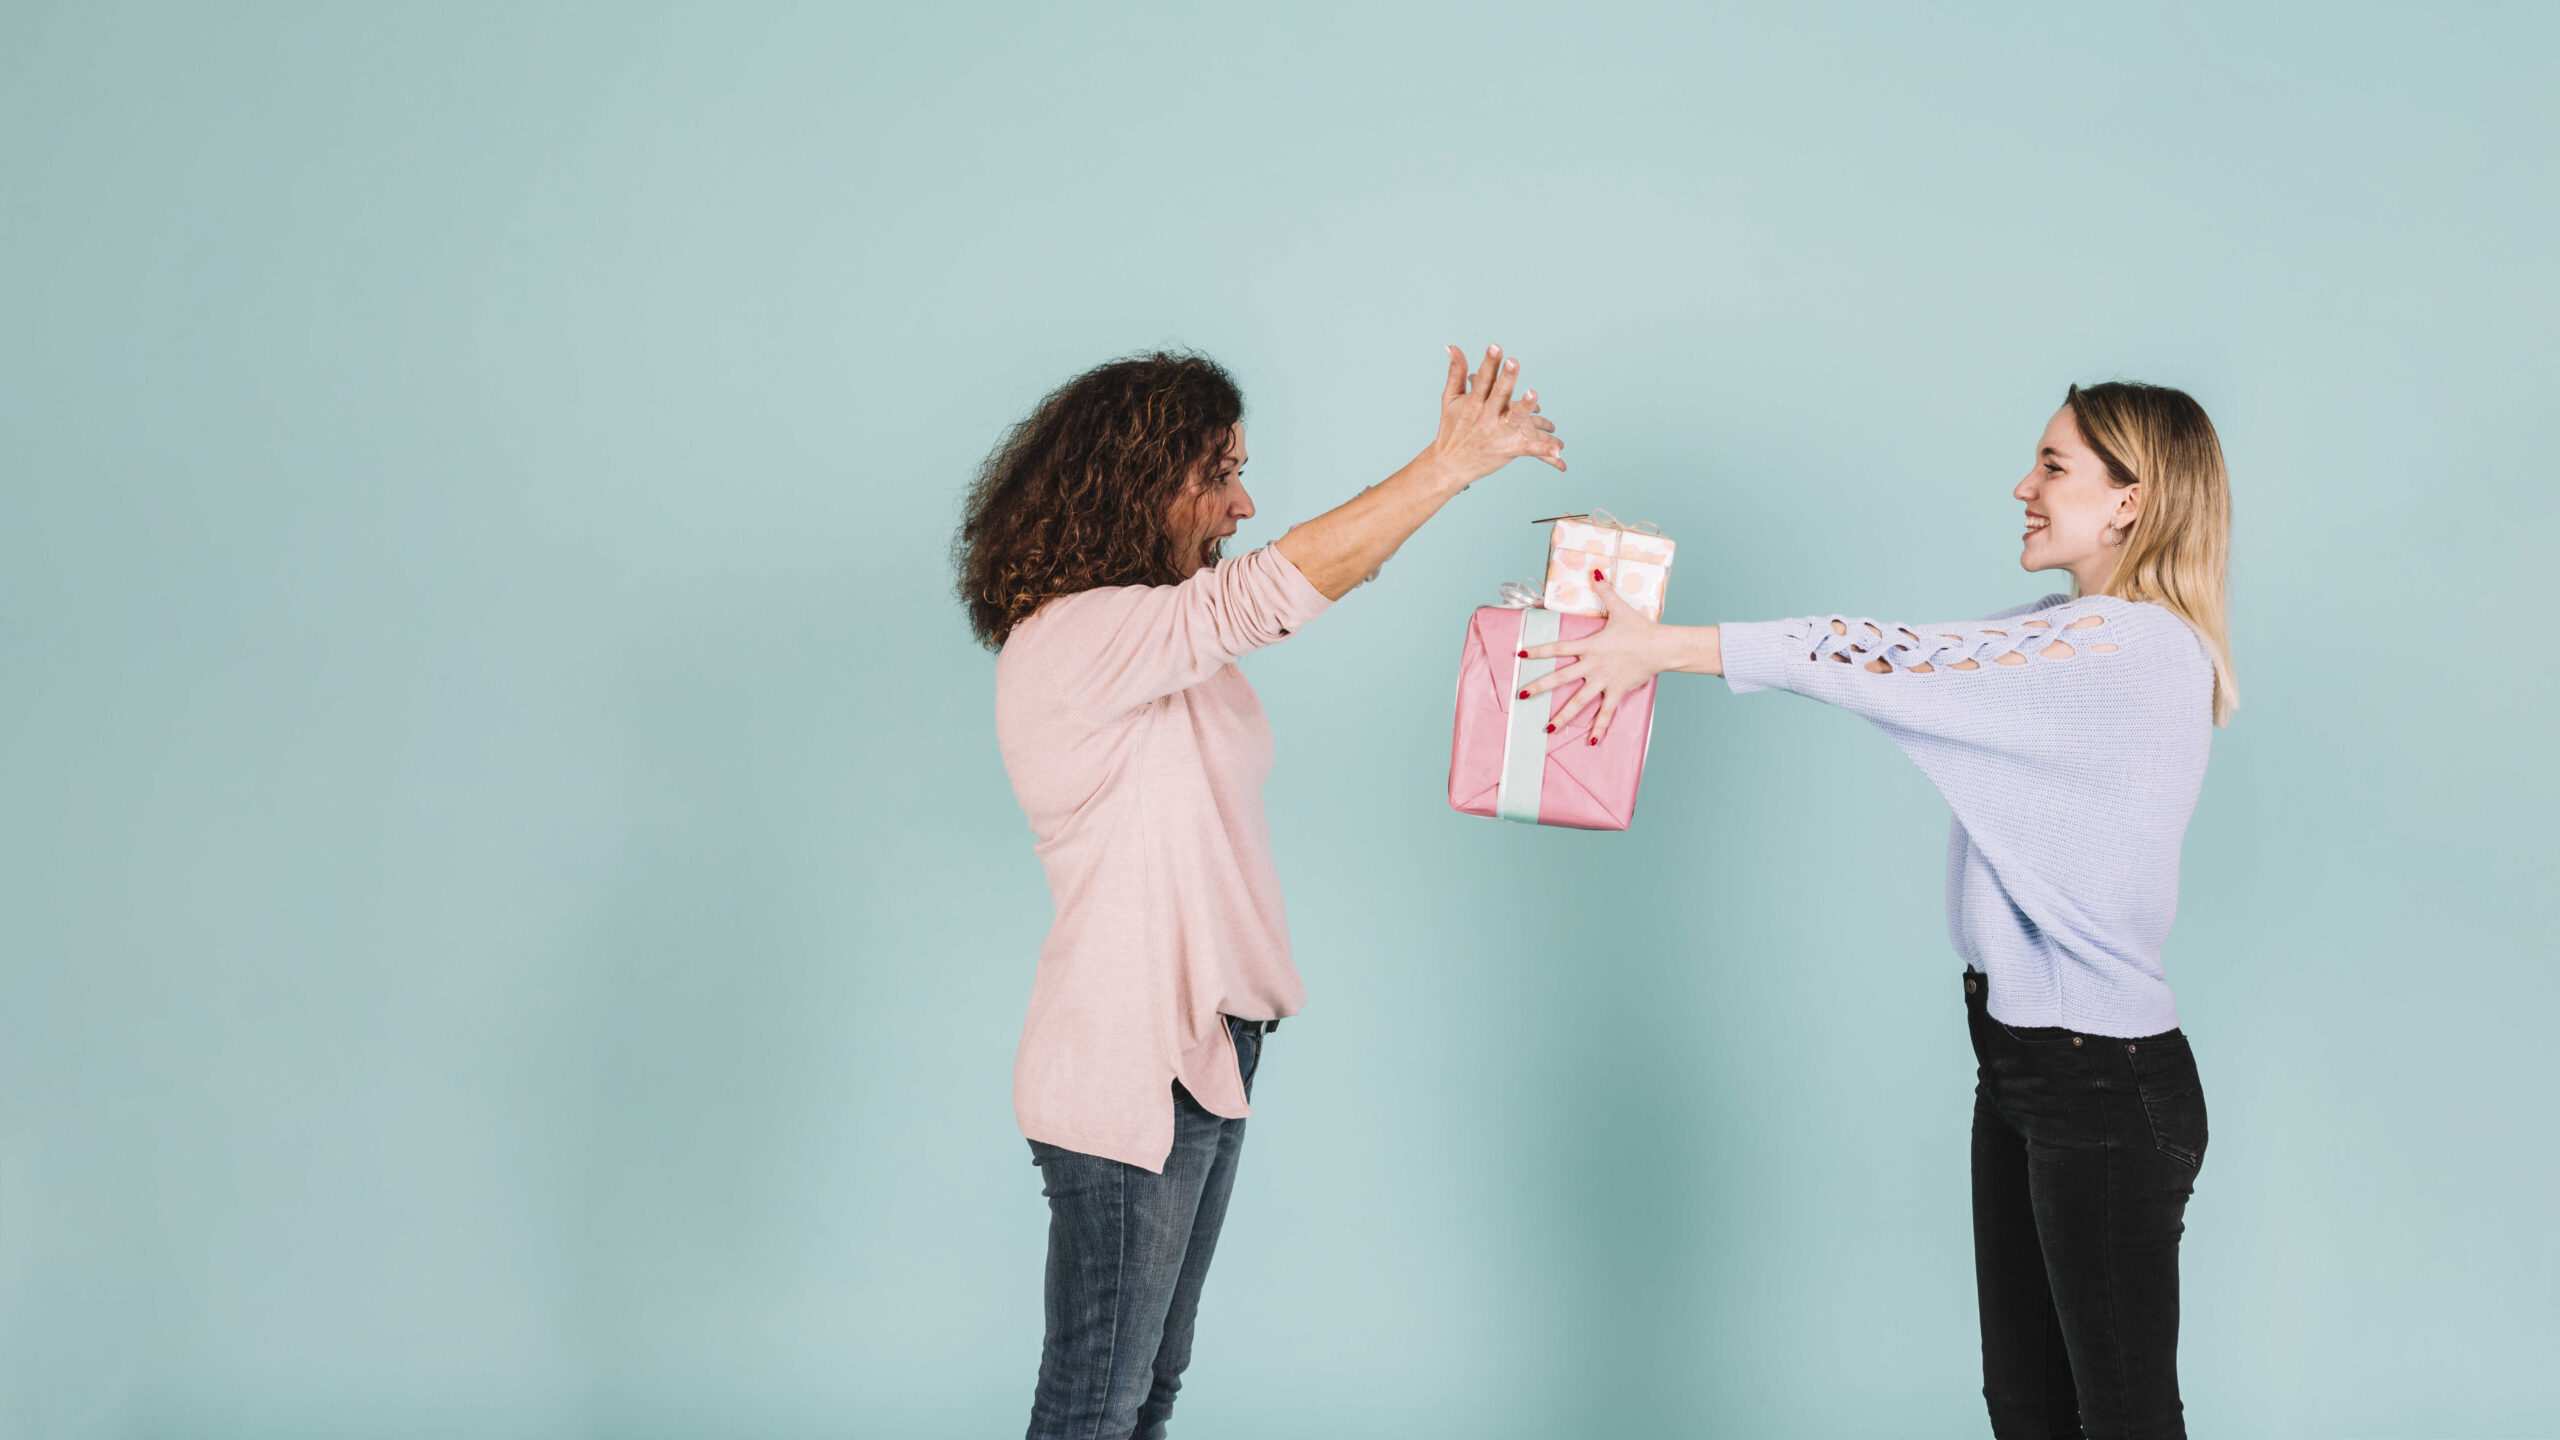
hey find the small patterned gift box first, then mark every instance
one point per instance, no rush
(1635, 557)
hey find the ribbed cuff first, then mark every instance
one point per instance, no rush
(1757, 652)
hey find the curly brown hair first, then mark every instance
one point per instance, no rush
(1077, 495)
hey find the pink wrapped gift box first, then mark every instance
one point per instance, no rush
(1502, 762)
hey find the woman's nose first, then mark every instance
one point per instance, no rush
(2026, 488)
(1241, 507)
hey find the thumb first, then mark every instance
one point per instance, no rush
(1610, 600)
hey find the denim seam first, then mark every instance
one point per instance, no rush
(2054, 1338)
(2115, 1323)
(1119, 1297)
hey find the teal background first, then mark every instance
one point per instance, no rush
(512, 924)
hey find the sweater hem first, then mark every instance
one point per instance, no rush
(1086, 1144)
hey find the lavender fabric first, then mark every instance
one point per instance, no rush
(2071, 780)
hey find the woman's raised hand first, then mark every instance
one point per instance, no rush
(1482, 429)
(1631, 649)
(1483, 426)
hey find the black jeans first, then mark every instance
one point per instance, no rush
(1128, 1253)
(2085, 1149)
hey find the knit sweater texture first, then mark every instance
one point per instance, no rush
(2071, 778)
(1138, 752)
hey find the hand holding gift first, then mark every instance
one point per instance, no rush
(1608, 665)
(1530, 743)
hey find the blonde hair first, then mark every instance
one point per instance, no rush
(2177, 552)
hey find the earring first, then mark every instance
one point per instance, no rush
(2115, 534)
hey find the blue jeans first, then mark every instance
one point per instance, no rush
(1128, 1252)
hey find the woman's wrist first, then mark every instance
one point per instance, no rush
(1695, 649)
(1441, 475)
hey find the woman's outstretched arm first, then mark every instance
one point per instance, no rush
(1483, 427)
(1631, 649)
(1121, 646)
(2024, 660)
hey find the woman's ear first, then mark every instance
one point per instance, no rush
(2128, 506)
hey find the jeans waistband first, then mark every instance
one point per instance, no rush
(1977, 996)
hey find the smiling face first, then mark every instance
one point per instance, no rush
(1210, 507)
(2072, 505)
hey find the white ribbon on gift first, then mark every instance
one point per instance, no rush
(1524, 740)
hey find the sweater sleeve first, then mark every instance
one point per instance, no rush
(1985, 684)
(1115, 649)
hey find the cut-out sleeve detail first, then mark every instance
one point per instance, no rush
(1991, 683)
(1880, 649)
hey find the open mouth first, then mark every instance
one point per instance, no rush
(2036, 522)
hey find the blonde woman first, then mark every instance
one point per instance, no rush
(2070, 738)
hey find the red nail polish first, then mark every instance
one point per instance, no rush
(1596, 576)
(1594, 740)
(1524, 654)
(1524, 694)
(1551, 729)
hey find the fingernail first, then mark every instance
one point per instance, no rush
(1594, 740)
(1510, 364)
(1596, 575)
(1551, 729)
(1524, 694)
(1493, 349)
(1524, 654)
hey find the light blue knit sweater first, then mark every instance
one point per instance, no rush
(2071, 781)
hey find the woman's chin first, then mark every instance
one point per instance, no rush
(2036, 559)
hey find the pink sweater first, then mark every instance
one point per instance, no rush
(1138, 753)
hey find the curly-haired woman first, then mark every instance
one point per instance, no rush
(1090, 555)
(2069, 737)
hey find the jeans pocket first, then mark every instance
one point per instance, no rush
(2164, 1074)
(2039, 1037)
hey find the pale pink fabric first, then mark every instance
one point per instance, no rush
(1138, 753)
(1585, 786)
